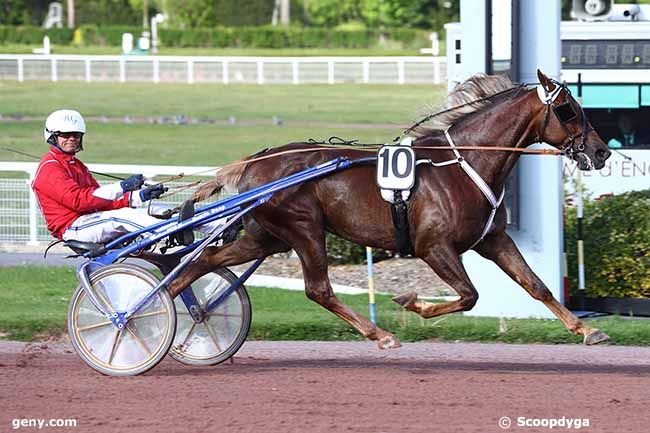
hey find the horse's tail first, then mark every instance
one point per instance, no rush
(230, 175)
(227, 176)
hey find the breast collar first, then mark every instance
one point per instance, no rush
(481, 184)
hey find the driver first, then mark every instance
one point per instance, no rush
(75, 207)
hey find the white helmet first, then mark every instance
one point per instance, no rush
(63, 121)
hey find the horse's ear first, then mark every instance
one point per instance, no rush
(545, 81)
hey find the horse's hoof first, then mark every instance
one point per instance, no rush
(406, 299)
(595, 337)
(389, 342)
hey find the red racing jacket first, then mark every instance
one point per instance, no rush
(64, 188)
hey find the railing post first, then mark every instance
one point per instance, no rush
(33, 213)
(400, 72)
(190, 72)
(224, 71)
(54, 71)
(366, 72)
(330, 72)
(88, 76)
(436, 71)
(21, 72)
(122, 71)
(295, 78)
(260, 72)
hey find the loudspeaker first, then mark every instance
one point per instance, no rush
(591, 10)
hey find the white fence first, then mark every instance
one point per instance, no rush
(20, 218)
(260, 70)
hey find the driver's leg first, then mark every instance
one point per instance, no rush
(101, 227)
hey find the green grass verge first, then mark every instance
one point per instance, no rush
(34, 301)
(349, 103)
(251, 52)
(205, 145)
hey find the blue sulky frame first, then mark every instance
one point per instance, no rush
(233, 207)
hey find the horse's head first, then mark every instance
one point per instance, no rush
(564, 125)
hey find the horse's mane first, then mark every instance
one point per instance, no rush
(475, 88)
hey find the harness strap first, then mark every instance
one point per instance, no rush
(480, 183)
(399, 212)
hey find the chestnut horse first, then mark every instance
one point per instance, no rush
(447, 211)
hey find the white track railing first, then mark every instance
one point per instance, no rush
(260, 70)
(20, 218)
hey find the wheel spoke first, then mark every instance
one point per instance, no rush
(187, 337)
(223, 315)
(212, 336)
(153, 313)
(107, 304)
(118, 333)
(137, 338)
(96, 325)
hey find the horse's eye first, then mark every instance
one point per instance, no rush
(565, 112)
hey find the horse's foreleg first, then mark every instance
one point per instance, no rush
(444, 260)
(240, 251)
(501, 249)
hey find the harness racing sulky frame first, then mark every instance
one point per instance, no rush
(121, 319)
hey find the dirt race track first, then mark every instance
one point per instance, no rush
(337, 387)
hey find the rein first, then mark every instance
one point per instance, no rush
(362, 148)
(374, 147)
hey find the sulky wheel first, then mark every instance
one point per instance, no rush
(222, 331)
(145, 339)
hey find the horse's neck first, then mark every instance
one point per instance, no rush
(505, 125)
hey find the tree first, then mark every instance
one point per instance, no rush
(71, 14)
(190, 13)
(425, 14)
(23, 12)
(330, 13)
(106, 13)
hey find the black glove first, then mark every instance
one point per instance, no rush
(132, 183)
(152, 192)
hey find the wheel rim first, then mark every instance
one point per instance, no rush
(144, 335)
(221, 327)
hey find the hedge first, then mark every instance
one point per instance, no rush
(34, 35)
(222, 37)
(340, 251)
(110, 35)
(616, 246)
(288, 37)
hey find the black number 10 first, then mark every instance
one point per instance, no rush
(393, 163)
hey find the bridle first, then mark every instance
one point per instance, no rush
(564, 113)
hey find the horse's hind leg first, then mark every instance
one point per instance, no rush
(313, 257)
(501, 249)
(247, 248)
(444, 260)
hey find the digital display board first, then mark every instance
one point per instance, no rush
(606, 54)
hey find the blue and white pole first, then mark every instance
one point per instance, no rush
(371, 287)
(580, 234)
